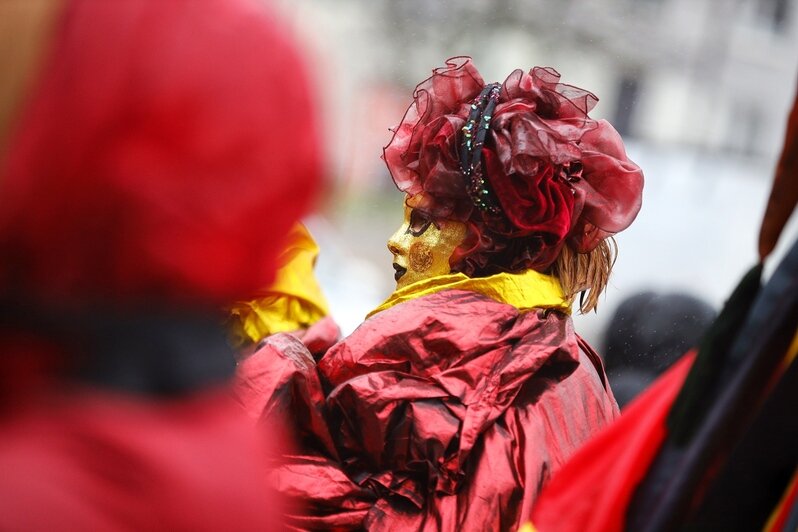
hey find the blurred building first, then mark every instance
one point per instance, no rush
(699, 88)
(715, 74)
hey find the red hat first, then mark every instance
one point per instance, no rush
(164, 153)
(553, 173)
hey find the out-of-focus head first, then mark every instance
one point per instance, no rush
(161, 157)
(648, 333)
(521, 164)
(422, 247)
(651, 331)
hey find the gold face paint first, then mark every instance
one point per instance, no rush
(421, 248)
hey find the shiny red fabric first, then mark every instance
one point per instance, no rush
(320, 336)
(447, 412)
(86, 460)
(557, 173)
(591, 493)
(151, 160)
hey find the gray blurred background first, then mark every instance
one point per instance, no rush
(700, 90)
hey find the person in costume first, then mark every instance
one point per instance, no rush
(457, 399)
(154, 156)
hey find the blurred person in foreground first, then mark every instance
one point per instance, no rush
(460, 396)
(154, 156)
(647, 334)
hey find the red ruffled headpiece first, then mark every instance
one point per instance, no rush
(557, 174)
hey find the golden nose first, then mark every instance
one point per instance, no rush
(395, 242)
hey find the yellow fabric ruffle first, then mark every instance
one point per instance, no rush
(524, 291)
(294, 301)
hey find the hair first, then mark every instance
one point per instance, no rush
(586, 274)
(583, 274)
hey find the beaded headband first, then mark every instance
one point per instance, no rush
(473, 139)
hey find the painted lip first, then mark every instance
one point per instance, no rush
(399, 271)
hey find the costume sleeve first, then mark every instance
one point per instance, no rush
(279, 383)
(279, 386)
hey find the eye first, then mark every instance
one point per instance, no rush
(419, 222)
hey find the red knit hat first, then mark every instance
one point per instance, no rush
(166, 150)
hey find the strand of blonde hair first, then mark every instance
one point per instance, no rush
(586, 274)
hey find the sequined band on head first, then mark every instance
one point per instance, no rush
(473, 138)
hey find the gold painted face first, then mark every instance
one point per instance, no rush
(421, 248)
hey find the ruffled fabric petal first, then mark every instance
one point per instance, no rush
(420, 156)
(610, 194)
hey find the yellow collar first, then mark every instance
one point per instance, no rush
(524, 291)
